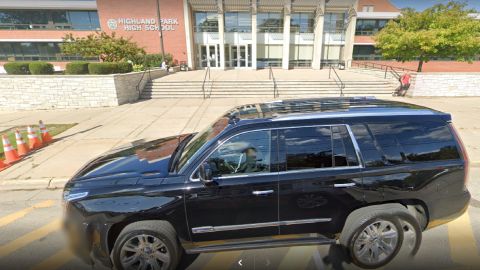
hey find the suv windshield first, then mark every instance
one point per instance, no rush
(200, 140)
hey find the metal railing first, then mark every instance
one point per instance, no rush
(379, 66)
(272, 77)
(147, 69)
(207, 72)
(338, 81)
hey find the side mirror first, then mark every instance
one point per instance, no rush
(205, 173)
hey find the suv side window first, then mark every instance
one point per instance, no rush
(318, 147)
(399, 142)
(245, 153)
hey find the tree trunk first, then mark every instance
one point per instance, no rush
(420, 66)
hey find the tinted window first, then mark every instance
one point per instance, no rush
(318, 147)
(245, 153)
(399, 142)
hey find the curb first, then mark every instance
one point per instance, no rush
(33, 184)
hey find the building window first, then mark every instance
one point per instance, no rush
(369, 27)
(206, 22)
(269, 55)
(49, 20)
(368, 8)
(301, 55)
(366, 52)
(35, 51)
(332, 54)
(302, 23)
(270, 22)
(238, 22)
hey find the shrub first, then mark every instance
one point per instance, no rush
(109, 67)
(77, 68)
(17, 68)
(39, 68)
(155, 60)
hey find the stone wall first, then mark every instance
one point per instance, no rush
(452, 84)
(29, 92)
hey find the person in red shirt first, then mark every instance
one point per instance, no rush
(405, 80)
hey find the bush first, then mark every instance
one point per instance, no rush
(40, 68)
(77, 68)
(109, 67)
(155, 60)
(16, 68)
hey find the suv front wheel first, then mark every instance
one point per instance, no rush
(146, 245)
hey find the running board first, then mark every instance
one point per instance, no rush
(270, 243)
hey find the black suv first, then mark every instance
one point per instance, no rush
(355, 172)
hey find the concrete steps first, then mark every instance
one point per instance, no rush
(291, 88)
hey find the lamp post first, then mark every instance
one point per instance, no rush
(160, 32)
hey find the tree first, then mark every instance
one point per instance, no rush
(108, 48)
(442, 31)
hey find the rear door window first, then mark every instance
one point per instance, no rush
(318, 147)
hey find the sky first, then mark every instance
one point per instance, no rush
(422, 4)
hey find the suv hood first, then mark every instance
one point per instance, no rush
(138, 159)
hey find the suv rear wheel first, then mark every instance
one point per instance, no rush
(148, 245)
(374, 235)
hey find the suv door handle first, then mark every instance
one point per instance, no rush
(262, 192)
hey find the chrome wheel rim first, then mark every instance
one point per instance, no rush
(144, 252)
(376, 243)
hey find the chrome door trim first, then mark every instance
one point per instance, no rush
(344, 185)
(262, 192)
(208, 229)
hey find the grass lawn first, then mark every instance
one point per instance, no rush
(53, 130)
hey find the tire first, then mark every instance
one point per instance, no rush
(360, 235)
(147, 242)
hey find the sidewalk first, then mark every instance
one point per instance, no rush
(101, 129)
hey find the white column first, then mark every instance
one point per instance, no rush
(350, 36)
(188, 34)
(349, 41)
(318, 36)
(286, 39)
(254, 40)
(221, 33)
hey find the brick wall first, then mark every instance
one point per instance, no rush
(450, 84)
(174, 40)
(30, 92)
(379, 5)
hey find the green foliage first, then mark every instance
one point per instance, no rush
(17, 68)
(108, 48)
(109, 67)
(138, 67)
(77, 68)
(152, 60)
(442, 31)
(40, 68)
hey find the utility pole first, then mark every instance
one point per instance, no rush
(160, 32)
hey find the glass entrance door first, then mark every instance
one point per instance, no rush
(240, 56)
(208, 56)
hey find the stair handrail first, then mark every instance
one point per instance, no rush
(338, 80)
(141, 79)
(380, 66)
(207, 72)
(271, 76)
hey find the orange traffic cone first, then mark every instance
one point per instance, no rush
(2, 165)
(10, 153)
(46, 138)
(33, 139)
(22, 147)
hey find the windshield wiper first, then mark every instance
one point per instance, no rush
(175, 157)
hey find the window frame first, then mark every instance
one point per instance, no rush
(349, 131)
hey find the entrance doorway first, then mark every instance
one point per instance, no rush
(208, 56)
(238, 56)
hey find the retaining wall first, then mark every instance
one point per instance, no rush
(451, 84)
(29, 92)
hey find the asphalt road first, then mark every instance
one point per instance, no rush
(31, 238)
